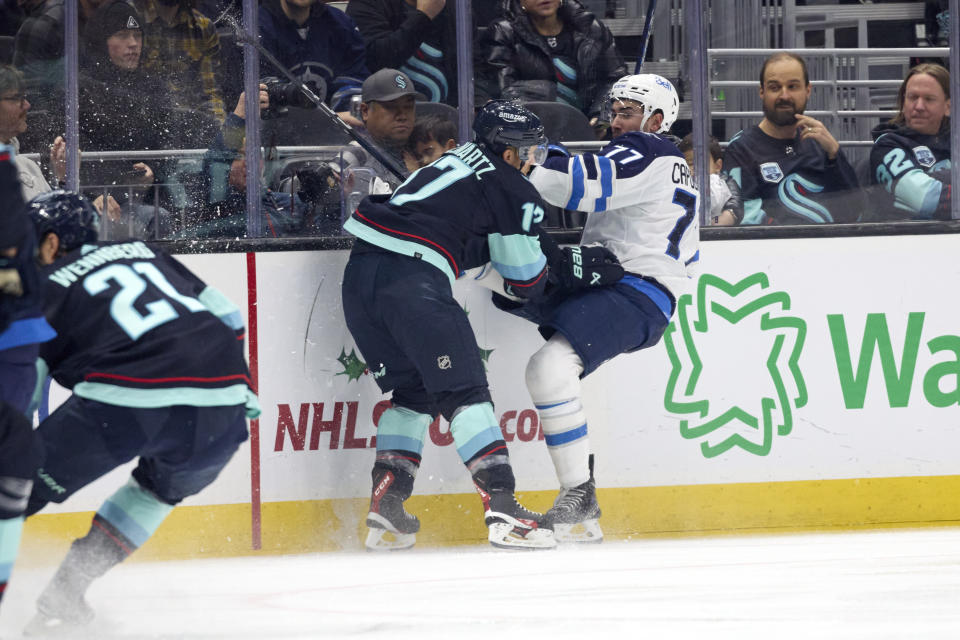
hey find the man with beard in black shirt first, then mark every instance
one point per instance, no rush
(789, 167)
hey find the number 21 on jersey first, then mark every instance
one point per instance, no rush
(132, 281)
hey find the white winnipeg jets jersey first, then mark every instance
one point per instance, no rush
(641, 202)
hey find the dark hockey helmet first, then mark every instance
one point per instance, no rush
(67, 214)
(507, 123)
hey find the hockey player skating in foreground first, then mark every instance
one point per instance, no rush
(642, 207)
(470, 207)
(154, 358)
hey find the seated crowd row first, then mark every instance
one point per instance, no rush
(788, 169)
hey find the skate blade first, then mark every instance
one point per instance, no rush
(588, 532)
(383, 540)
(505, 536)
(42, 626)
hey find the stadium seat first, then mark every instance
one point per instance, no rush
(6, 49)
(562, 122)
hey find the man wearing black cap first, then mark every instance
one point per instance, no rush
(388, 114)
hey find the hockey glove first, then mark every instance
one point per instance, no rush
(588, 267)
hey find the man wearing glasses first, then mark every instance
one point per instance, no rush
(13, 122)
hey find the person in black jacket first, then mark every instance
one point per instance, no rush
(910, 158)
(553, 50)
(122, 107)
(417, 37)
(317, 43)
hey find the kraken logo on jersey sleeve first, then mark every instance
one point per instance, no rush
(924, 156)
(771, 172)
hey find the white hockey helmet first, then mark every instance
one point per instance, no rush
(653, 92)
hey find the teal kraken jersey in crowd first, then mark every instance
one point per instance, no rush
(791, 182)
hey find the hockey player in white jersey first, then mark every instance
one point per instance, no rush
(642, 207)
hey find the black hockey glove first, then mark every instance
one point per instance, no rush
(588, 267)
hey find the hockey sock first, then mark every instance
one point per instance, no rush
(480, 444)
(553, 379)
(134, 512)
(10, 530)
(402, 429)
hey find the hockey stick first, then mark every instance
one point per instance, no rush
(645, 36)
(245, 38)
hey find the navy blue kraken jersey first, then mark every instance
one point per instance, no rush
(462, 211)
(914, 170)
(791, 182)
(137, 328)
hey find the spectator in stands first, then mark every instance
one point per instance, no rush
(122, 107)
(550, 50)
(431, 137)
(318, 43)
(181, 45)
(790, 168)
(388, 115)
(726, 205)
(418, 36)
(38, 53)
(14, 106)
(221, 194)
(910, 158)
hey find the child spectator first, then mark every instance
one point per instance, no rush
(726, 205)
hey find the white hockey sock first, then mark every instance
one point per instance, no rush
(553, 379)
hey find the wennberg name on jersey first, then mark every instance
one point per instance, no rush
(642, 204)
(136, 328)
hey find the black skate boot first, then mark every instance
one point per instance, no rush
(575, 514)
(510, 524)
(391, 527)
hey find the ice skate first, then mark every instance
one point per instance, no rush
(391, 528)
(575, 515)
(61, 611)
(511, 526)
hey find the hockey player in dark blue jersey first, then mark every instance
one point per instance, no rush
(154, 358)
(22, 329)
(469, 208)
(641, 207)
(790, 168)
(910, 159)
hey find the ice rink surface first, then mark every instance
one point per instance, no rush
(878, 584)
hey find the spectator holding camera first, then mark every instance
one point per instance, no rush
(319, 44)
(221, 194)
(910, 158)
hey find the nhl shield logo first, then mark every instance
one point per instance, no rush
(924, 156)
(771, 172)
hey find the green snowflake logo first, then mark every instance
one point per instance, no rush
(747, 313)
